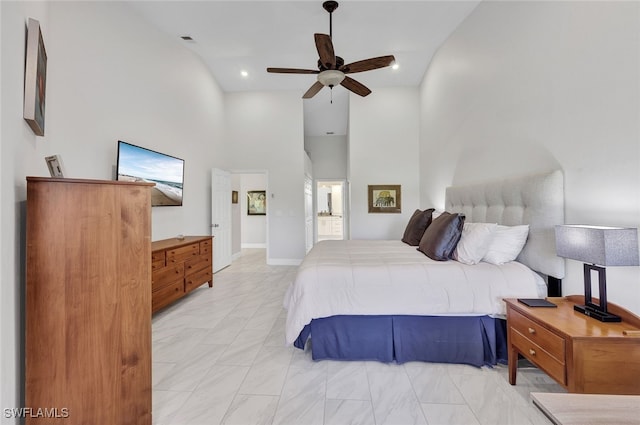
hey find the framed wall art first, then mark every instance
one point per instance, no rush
(234, 196)
(35, 78)
(54, 163)
(256, 202)
(385, 198)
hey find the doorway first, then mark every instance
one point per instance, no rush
(330, 210)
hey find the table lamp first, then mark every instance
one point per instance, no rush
(597, 247)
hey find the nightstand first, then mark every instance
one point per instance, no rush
(579, 352)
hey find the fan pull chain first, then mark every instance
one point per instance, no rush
(331, 90)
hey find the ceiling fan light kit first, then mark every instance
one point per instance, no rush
(331, 68)
(331, 77)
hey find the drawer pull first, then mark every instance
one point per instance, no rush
(532, 331)
(532, 351)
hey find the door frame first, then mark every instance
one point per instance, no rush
(233, 229)
(345, 206)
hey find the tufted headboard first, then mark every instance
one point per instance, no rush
(536, 200)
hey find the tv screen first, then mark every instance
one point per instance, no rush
(137, 164)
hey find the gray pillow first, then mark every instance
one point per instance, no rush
(418, 223)
(442, 236)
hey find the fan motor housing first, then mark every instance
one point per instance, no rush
(339, 64)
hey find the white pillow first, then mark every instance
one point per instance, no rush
(474, 242)
(506, 244)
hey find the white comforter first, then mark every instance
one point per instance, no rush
(361, 277)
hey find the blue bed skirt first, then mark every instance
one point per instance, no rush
(473, 340)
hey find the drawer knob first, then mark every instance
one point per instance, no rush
(532, 331)
(532, 351)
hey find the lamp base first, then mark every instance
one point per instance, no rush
(602, 316)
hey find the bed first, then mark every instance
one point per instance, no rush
(386, 301)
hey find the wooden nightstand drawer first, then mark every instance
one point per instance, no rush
(182, 253)
(539, 356)
(597, 357)
(537, 334)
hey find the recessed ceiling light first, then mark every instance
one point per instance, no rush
(244, 73)
(395, 66)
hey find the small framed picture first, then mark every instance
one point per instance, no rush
(385, 198)
(54, 162)
(234, 196)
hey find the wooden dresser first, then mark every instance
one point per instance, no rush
(581, 353)
(88, 304)
(178, 267)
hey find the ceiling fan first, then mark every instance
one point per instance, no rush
(331, 68)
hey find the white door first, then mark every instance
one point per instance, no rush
(221, 218)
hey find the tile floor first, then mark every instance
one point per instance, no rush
(219, 358)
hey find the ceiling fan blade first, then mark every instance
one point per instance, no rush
(356, 87)
(368, 64)
(292, 71)
(325, 50)
(313, 90)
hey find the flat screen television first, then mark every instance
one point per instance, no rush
(136, 163)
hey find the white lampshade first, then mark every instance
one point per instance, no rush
(331, 77)
(604, 246)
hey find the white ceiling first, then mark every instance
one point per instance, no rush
(235, 36)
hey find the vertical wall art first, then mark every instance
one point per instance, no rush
(35, 78)
(256, 202)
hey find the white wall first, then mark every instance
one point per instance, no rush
(383, 151)
(21, 155)
(328, 155)
(265, 132)
(152, 92)
(523, 87)
(254, 227)
(110, 76)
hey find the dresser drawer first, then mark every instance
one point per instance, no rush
(180, 254)
(168, 275)
(206, 247)
(197, 279)
(158, 260)
(196, 264)
(157, 265)
(539, 356)
(552, 343)
(158, 256)
(167, 295)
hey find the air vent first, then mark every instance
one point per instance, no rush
(329, 133)
(186, 38)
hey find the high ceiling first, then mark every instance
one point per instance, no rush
(236, 36)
